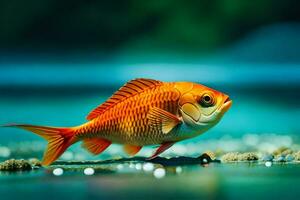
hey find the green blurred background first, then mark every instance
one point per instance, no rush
(112, 26)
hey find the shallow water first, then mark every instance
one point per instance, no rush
(214, 181)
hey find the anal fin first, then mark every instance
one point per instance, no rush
(95, 145)
(131, 149)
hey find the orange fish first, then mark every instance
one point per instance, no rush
(142, 112)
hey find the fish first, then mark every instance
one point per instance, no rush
(142, 112)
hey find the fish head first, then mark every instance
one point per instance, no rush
(202, 107)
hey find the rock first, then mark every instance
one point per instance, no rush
(235, 156)
(297, 156)
(280, 158)
(267, 157)
(219, 152)
(35, 162)
(282, 150)
(204, 158)
(289, 158)
(211, 154)
(286, 152)
(248, 156)
(15, 165)
(230, 157)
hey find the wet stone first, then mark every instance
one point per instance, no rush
(230, 157)
(249, 156)
(15, 165)
(35, 162)
(282, 151)
(211, 155)
(235, 157)
(206, 158)
(289, 158)
(287, 152)
(297, 156)
(279, 158)
(267, 157)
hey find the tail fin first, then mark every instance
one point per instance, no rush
(59, 139)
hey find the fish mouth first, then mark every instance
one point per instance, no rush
(227, 99)
(226, 105)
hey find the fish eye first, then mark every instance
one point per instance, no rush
(206, 100)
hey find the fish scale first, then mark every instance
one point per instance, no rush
(132, 126)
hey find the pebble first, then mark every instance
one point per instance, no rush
(178, 170)
(204, 161)
(138, 166)
(120, 166)
(58, 172)
(89, 171)
(267, 157)
(289, 158)
(159, 173)
(35, 162)
(280, 158)
(131, 165)
(268, 164)
(148, 167)
(297, 156)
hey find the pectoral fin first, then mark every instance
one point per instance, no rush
(163, 119)
(131, 149)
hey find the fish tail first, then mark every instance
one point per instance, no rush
(59, 139)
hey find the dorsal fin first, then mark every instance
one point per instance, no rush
(131, 88)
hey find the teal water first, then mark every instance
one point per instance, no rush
(265, 104)
(216, 181)
(255, 110)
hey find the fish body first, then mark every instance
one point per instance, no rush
(127, 122)
(142, 112)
